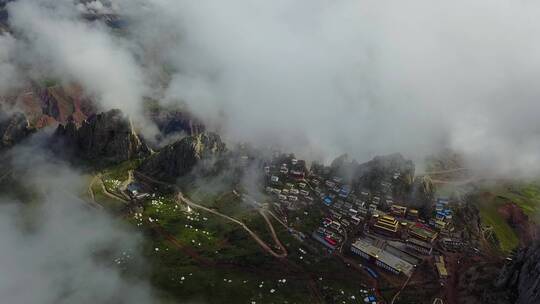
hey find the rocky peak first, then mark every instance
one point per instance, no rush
(521, 276)
(103, 138)
(13, 129)
(201, 151)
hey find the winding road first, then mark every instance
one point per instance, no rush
(283, 252)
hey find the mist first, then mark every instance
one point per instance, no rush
(318, 78)
(57, 249)
(54, 42)
(365, 77)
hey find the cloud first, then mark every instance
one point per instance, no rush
(60, 44)
(365, 77)
(57, 249)
(316, 77)
(9, 74)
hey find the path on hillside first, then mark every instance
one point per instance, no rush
(180, 198)
(97, 178)
(396, 296)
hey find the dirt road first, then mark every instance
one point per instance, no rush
(264, 246)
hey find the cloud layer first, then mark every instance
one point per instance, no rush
(317, 77)
(57, 249)
(366, 77)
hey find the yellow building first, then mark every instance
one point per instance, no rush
(387, 224)
(398, 210)
(441, 267)
(412, 214)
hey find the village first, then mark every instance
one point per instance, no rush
(381, 233)
(369, 228)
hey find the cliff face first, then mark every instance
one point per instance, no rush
(175, 121)
(391, 169)
(522, 275)
(50, 105)
(105, 138)
(13, 129)
(201, 151)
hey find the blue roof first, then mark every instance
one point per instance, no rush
(328, 201)
(134, 187)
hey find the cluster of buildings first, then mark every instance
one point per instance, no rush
(285, 176)
(392, 236)
(330, 237)
(443, 216)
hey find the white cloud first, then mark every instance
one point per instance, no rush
(365, 77)
(60, 43)
(57, 249)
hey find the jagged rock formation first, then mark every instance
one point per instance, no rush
(422, 195)
(202, 152)
(175, 121)
(105, 138)
(393, 169)
(13, 129)
(468, 222)
(522, 276)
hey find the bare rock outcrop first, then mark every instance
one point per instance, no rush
(105, 138)
(522, 276)
(13, 129)
(202, 152)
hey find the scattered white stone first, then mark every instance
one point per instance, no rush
(156, 249)
(272, 290)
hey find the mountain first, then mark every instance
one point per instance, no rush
(199, 152)
(105, 138)
(50, 105)
(169, 122)
(522, 275)
(13, 129)
(391, 169)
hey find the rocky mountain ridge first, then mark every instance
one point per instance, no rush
(521, 276)
(199, 152)
(14, 127)
(105, 138)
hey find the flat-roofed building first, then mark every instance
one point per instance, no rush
(422, 233)
(382, 258)
(441, 268)
(419, 246)
(398, 210)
